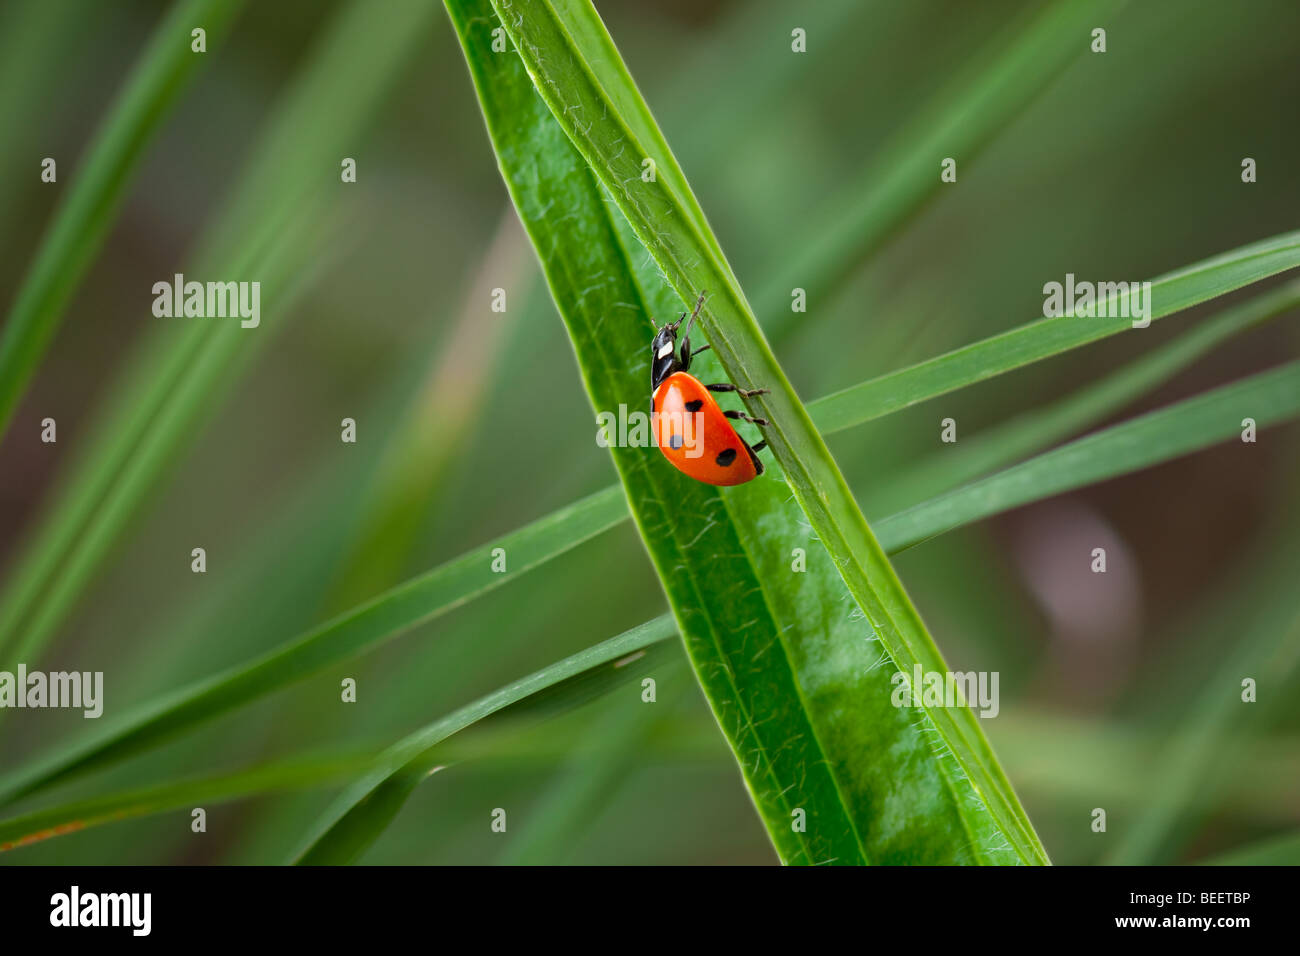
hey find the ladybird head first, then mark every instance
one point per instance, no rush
(663, 357)
(663, 348)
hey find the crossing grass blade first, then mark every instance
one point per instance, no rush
(564, 684)
(1268, 398)
(386, 616)
(1038, 428)
(1026, 737)
(1170, 293)
(1178, 429)
(362, 811)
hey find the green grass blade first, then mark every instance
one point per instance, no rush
(362, 812)
(298, 773)
(403, 607)
(1269, 398)
(1044, 338)
(97, 188)
(1181, 428)
(1159, 436)
(574, 680)
(835, 413)
(572, 77)
(1039, 428)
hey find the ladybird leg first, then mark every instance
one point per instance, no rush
(759, 447)
(687, 354)
(732, 413)
(745, 392)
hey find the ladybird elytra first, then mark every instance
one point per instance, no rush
(692, 430)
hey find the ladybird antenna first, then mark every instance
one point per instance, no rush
(698, 305)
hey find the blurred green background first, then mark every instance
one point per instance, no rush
(1124, 165)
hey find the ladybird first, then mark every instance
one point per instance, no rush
(690, 428)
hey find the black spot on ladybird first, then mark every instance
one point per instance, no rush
(726, 457)
(674, 442)
(695, 405)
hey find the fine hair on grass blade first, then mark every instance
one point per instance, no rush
(799, 696)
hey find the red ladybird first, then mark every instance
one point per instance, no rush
(690, 429)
